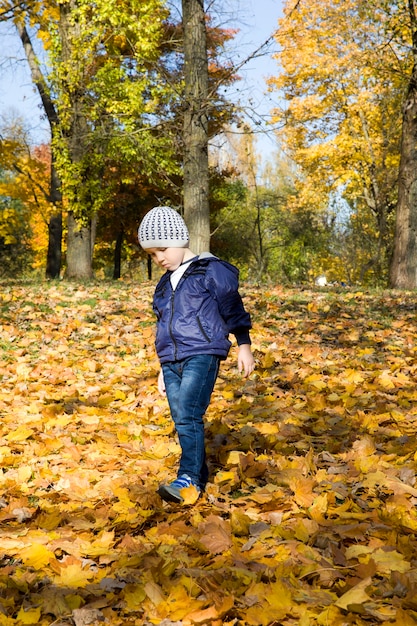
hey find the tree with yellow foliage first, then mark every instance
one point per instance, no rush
(343, 71)
(15, 232)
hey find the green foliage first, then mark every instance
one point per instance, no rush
(111, 77)
(108, 95)
(260, 233)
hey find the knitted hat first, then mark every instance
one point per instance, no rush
(163, 227)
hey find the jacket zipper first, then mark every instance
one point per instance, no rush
(203, 332)
(170, 326)
(172, 297)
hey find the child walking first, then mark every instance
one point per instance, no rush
(197, 304)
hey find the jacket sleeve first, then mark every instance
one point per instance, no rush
(223, 283)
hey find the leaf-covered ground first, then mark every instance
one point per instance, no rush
(310, 515)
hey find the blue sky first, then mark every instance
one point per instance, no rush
(257, 19)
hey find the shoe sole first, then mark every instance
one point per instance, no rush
(168, 496)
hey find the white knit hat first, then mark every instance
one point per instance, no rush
(163, 227)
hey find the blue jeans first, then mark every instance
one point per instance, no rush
(189, 384)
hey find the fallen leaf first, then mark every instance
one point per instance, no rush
(215, 535)
(356, 595)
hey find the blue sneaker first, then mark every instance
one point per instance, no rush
(172, 492)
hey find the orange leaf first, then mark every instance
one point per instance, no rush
(216, 535)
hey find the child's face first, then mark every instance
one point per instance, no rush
(168, 258)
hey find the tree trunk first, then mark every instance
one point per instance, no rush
(195, 128)
(79, 262)
(81, 231)
(404, 260)
(54, 254)
(403, 270)
(118, 255)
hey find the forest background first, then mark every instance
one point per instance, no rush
(335, 199)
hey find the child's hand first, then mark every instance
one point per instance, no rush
(161, 384)
(245, 360)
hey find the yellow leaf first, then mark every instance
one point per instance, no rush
(104, 400)
(353, 376)
(29, 616)
(319, 507)
(205, 616)
(24, 473)
(189, 494)
(154, 593)
(317, 402)
(269, 398)
(388, 561)
(353, 552)
(74, 601)
(261, 615)
(279, 597)
(266, 428)
(20, 434)
(73, 576)
(364, 446)
(333, 397)
(303, 490)
(123, 436)
(366, 463)
(240, 523)
(225, 477)
(273, 602)
(49, 521)
(316, 380)
(36, 556)
(268, 360)
(331, 616)
(100, 547)
(133, 596)
(179, 603)
(356, 595)
(158, 451)
(304, 529)
(234, 457)
(385, 380)
(90, 365)
(403, 618)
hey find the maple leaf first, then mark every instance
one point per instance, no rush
(189, 494)
(388, 561)
(303, 490)
(215, 534)
(36, 556)
(73, 575)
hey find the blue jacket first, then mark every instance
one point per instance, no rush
(198, 316)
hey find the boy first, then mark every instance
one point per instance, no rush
(197, 305)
